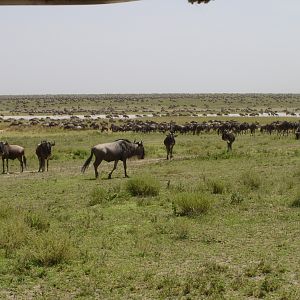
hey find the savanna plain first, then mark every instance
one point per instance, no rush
(208, 224)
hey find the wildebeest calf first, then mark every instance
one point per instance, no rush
(169, 142)
(229, 138)
(43, 152)
(8, 151)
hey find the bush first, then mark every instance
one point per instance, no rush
(143, 186)
(189, 204)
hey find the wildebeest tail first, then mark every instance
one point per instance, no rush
(87, 162)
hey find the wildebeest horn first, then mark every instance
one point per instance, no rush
(134, 141)
(53, 144)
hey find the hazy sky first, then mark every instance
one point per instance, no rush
(151, 46)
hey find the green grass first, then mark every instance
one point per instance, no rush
(66, 235)
(191, 204)
(144, 186)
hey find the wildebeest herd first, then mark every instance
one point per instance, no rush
(122, 149)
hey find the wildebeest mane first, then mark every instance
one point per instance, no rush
(123, 140)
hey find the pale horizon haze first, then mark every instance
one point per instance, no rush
(151, 46)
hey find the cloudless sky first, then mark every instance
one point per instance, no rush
(151, 46)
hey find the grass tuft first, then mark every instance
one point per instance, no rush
(143, 186)
(296, 201)
(216, 186)
(190, 204)
(251, 180)
(46, 250)
(236, 198)
(37, 221)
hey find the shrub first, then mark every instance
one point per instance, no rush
(189, 204)
(143, 186)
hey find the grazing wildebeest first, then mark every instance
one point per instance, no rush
(169, 142)
(229, 138)
(115, 151)
(43, 152)
(8, 151)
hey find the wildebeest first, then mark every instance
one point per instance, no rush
(43, 152)
(169, 142)
(118, 150)
(229, 138)
(8, 151)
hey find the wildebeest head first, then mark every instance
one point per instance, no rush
(172, 134)
(47, 146)
(3, 149)
(140, 150)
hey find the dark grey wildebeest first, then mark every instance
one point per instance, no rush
(8, 151)
(43, 152)
(169, 142)
(115, 151)
(229, 138)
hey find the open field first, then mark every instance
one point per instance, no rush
(217, 226)
(165, 104)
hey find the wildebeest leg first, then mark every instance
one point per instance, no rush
(125, 168)
(3, 165)
(171, 152)
(47, 164)
(96, 164)
(115, 166)
(39, 164)
(168, 151)
(21, 163)
(7, 165)
(42, 164)
(229, 146)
